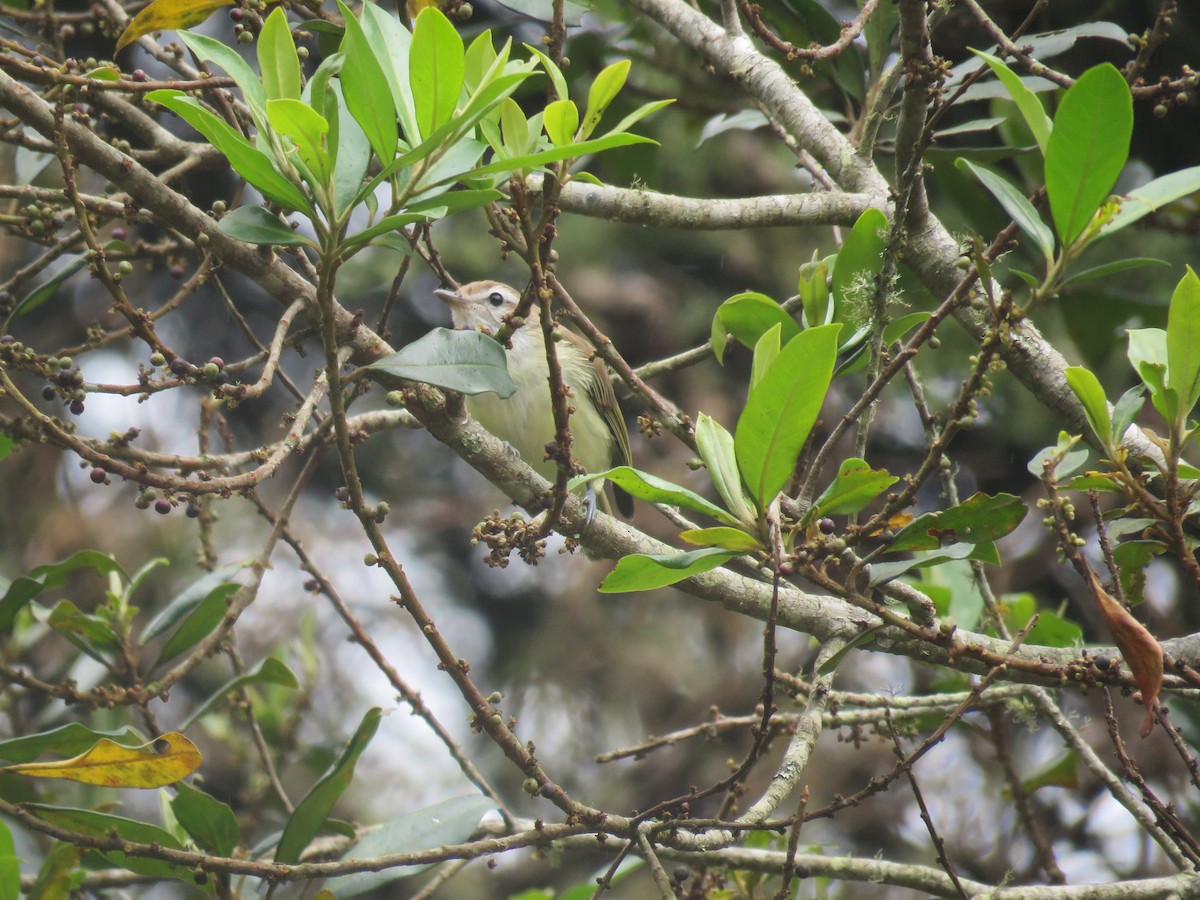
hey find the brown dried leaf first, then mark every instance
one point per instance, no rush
(168, 15)
(1142, 653)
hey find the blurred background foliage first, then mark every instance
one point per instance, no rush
(586, 673)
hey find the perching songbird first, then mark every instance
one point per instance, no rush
(526, 419)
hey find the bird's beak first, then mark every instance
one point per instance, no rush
(451, 298)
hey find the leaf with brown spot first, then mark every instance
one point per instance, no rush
(1142, 653)
(168, 15)
(166, 760)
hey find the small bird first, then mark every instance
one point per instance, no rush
(526, 419)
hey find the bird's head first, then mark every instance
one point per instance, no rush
(480, 303)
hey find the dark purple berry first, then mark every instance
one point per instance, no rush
(826, 525)
(179, 367)
(177, 272)
(192, 511)
(48, 392)
(119, 233)
(98, 475)
(139, 75)
(162, 506)
(77, 407)
(7, 338)
(218, 362)
(236, 15)
(342, 494)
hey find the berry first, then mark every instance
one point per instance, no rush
(162, 506)
(48, 392)
(192, 511)
(76, 407)
(342, 494)
(98, 475)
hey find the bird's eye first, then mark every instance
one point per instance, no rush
(496, 299)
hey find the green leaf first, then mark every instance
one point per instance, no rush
(208, 821)
(1028, 104)
(452, 202)
(448, 822)
(898, 328)
(310, 814)
(1125, 411)
(187, 601)
(309, 131)
(859, 640)
(67, 741)
(1051, 630)
(602, 92)
(277, 58)
(10, 867)
(715, 445)
(200, 622)
(97, 824)
(1132, 557)
(253, 165)
(366, 90)
(781, 410)
(6, 445)
(25, 587)
(860, 259)
(639, 572)
(1070, 461)
(1063, 771)
(1148, 354)
(466, 361)
(1015, 204)
(1151, 197)
(556, 76)
(478, 59)
(812, 284)
(435, 69)
(766, 351)
(561, 121)
(59, 874)
(978, 519)
(1111, 268)
(637, 115)
(856, 485)
(256, 225)
(210, 50)
(1086, 386)
(1183, 341)
(651, 488)
(91, 634)
(392, 43)
(556, 154)
(723, 536)
(386, 225)
(881, 573)
(269, 671)
(748, 316)
(46, 289)
(1087, 148)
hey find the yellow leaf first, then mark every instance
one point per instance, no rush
(414, 7)
(166, 760)
(168, 15)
